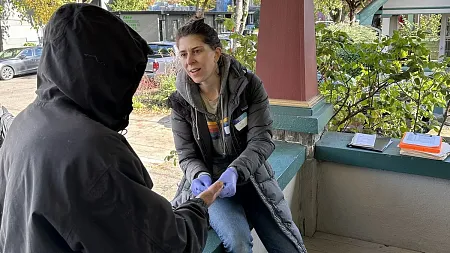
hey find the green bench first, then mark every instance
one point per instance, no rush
(286, 161)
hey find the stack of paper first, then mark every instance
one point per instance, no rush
(370, 142)
(424, 145)
(441, 156)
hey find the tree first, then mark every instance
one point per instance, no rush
(354, 6)
(327, 6)
(1, 25)
(130, 5)
(257, 2)
(246, 5)
(240, 15)
(209, 5)
(5, 10)
(237, 15)
(38, 12)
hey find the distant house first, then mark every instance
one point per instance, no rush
(19, 32)
(388, 13)
(162, 25)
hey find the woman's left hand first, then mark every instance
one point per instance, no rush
(229, 178)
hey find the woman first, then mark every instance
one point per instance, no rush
(222, 131)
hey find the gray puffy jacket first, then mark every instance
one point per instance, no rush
(254, 142)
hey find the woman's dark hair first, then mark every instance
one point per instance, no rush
(197, 26)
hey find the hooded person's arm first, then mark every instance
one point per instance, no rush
(131, 217)
(186, 147)
(259, 136)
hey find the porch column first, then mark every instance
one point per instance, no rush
(286, 59)
(389, 25)
(444, 24)
(286, 63)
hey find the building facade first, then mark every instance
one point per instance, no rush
(388, 13)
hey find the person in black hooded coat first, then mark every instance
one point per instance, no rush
(69, 182)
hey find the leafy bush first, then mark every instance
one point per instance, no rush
(357, 33)
(430, 26)
(386, 87)
(147, 84)
(244, 47)
(153, 93)
(137, 104)
(29, 44)
(165, 89)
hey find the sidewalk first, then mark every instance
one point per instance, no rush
(151, 138)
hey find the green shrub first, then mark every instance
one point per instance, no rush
(382, 86)
(29, 44)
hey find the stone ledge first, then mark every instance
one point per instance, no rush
(286, 161)
(333, 148)
(298, 120)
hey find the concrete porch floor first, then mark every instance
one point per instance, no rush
(328, 243)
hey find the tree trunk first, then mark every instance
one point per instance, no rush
(353, 6)
(1, 36)
(2, 27)
(351, 15)
(336, 15)
(246, 5)
(344, 14)
(238, 12)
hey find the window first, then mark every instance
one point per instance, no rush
(9, 53)
(165, 50)
(38, 51)
(27, 52)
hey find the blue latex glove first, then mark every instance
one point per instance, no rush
(200, 184)
(229, 178)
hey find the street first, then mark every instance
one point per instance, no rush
(147, 133)
(17, 93)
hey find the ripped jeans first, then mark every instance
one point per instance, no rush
(233, 217)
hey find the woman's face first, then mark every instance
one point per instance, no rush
(198, 59)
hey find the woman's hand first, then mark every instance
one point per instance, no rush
(200, 184)
(229, 178)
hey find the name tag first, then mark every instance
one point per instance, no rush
(226, 126)
(241, 121)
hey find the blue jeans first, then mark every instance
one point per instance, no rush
(232, 219)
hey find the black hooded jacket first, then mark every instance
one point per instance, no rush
(69, 182)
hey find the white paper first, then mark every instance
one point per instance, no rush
(445, 151)
(364, 140)
(424, 140)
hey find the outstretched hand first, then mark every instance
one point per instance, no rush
(211, 193)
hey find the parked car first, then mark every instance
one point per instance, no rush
(18, 61)
(162, 58)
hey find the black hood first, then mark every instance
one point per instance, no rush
(92, 58)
